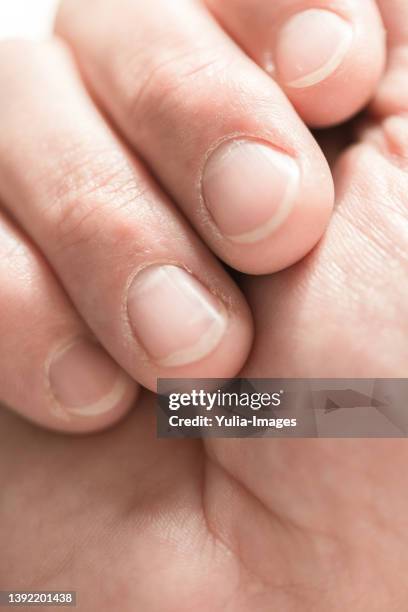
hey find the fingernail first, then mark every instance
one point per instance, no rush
(85, 380)
(174, 316)
(250, 189)
(311, 46)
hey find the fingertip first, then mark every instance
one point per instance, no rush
(327, 56)
(88, 391)
(330, 63)
(272, 205)
(192, 331)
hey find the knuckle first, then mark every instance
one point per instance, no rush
(77, 225)
(163, 85)
(89, 200)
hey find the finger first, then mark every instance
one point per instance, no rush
(52, 371)
(357, 280)
(327, 55)
(217, 132)
(392, 95)
(152, 294)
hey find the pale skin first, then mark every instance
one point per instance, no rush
(131, 522)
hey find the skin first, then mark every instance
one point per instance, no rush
(99, 187)
(164, 525)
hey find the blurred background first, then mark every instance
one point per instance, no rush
(26, 18)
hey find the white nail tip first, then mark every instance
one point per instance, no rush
(106, 403)
(266, 229)
(327, 69)
(207, 343)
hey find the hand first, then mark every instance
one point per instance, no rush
(135, 523)
(343, 310)
(105, 278)
(252, 524)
